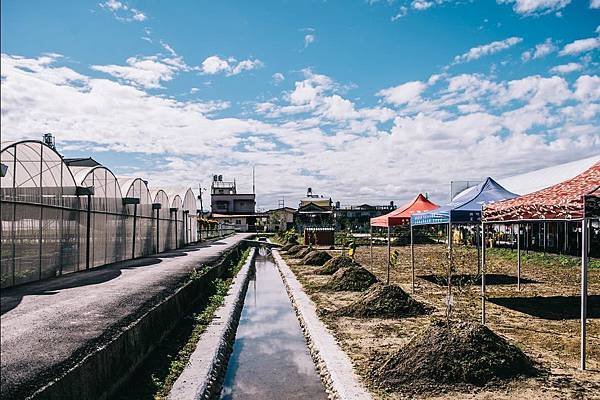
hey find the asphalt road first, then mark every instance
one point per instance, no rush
(50, 325)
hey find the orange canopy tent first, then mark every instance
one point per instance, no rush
(401, 215)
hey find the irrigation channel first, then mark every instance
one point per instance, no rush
(270, 358)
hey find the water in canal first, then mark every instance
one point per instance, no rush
(270, 359)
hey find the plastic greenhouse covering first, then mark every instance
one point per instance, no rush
(53, 225)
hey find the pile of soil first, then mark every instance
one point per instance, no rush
(316, 257)
(461, 354)
(383, 300)
(288, 246)
(331, 266)
(294, 249)
(354, 279)
(302, 253)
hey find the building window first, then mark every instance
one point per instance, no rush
(238, 221)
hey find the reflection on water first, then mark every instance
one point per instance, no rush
(270, 359)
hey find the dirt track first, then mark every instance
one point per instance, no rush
(542, 319)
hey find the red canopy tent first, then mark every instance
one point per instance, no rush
(576, 199)
(400, 216)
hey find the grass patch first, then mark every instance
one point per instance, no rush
(546, 260)
(156, 376)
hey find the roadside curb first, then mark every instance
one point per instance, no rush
(200, 378)
(334, 366)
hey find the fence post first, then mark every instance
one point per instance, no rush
(134, 230)
(88, 232)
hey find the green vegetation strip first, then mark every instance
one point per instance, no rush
(547, 260)
(156, 376)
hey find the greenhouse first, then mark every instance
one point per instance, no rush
(65, 215)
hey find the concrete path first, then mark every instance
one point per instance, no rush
(48, 326)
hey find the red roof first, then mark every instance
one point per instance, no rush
(561, 201)
(402, 214)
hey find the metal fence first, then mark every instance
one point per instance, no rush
(58, 219)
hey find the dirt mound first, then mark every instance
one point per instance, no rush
(302, 253)
(294, 249)
(354, 279)
(461, 354)
(316, 257)
(383, 300)
(287, 246)
(331, 266)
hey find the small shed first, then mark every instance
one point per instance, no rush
(322, 236)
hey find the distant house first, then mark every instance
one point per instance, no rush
(281, 219)
(314, 211)
(357, 218)
(229, 206)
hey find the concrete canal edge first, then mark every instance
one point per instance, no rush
(201, 378)
(109, 365)
(333, 365)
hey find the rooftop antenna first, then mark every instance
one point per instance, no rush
(253, 181)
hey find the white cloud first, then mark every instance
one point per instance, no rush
(214, 64)
(402, 11)
(595, 4)
(536, 91)
(487, 49)
(147, 72)
(532, 122)
(114, 5)
(536, 7)
(168, 48)
(308, 39)
(409, 92)
(580, 46)
(123, 12)
(306, 91)
(541, 50)
(587, 88)
(421, 4)
(566, 68)
(278, 77)
(138, 15)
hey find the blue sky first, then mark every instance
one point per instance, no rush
(363, 101)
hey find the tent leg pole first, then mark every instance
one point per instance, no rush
(449, 295)
(389, 249)
(566, 243)
(483, 274)
(545, 233)
(412, 259)
(371, 244)
(519, 257)
(477, 244)
(584, 276)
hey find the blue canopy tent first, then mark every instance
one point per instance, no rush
(464, 209)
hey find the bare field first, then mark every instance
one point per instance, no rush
(542, 319)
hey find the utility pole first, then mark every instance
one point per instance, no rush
(201, 212)
(200, 198)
